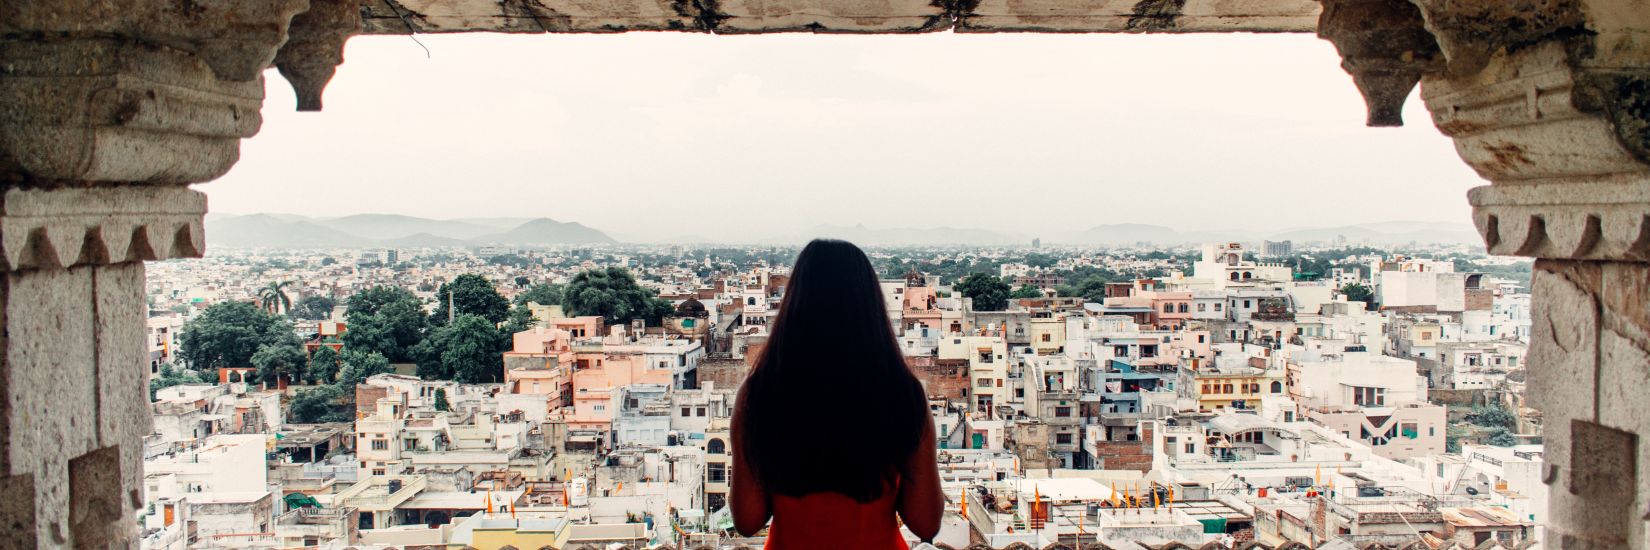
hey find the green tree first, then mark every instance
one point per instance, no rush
(273, 297)
(441, 403)
(427, 354)
(280, 360)
(171, 375)
(613, 294)
(1501, 437)
(319, 404)
(470, 294)
(1089, 283)
(544, 294)
(1492, 415)
(1026, 291)
(357, 366)
(386, 319)
(313, 307)
(472, 351)
(323, 365)
(989, 292)
(227, 334)
(1356, 292)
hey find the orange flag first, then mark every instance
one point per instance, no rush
(1036, 501)
(965, 503)
(512, 509)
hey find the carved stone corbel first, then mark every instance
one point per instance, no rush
(315, 48)
(1385, 47)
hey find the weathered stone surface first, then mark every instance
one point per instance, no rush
(839, 16)
(1470, 32)
(236, 38)
(1563, 355)
(529, 16)
(1518, 120)
(49, 326)
(106, 109)
(122, 376)
(66, 227)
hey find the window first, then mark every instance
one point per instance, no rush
(377, 471)
(1168, 308)
(1277, 387)
(1246, 304)
(1201, 338)
(716, 447)
(1048, 337)
(380, 445)
(983, 383)
(1217, 307)
(700, 411)
(716, 472)
(1062, 412)
(686, 411)
(1368, 397)
(1202, 307)
(599, 408)
(1062, 439)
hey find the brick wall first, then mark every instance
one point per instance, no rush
(1126, 455)
(941, 377)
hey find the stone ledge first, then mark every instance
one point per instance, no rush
(52, 229)
(1578, 221)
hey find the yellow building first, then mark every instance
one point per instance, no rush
(1239, 386)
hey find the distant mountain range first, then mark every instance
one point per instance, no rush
(391, 230)
(1370, 233)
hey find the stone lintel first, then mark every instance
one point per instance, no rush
(831, 16)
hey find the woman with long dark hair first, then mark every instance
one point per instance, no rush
(831, 431)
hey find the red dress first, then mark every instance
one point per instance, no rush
(832, 521)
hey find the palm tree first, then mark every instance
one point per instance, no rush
(273, 297)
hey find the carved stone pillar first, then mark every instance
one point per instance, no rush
(1550, 101)
(108, 110)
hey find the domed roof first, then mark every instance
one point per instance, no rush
(691, 308)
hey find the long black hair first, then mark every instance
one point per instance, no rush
(831, 405)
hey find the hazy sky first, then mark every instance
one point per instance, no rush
(649, 134)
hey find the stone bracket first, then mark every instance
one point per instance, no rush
(41, 229)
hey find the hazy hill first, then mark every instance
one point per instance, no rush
(390, 230)
(910, 236)
(263, 230)
(547, 231)
(392, 226)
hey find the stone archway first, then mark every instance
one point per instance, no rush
(110, 108)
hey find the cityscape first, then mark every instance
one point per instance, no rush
(1341, 391)
(825, 274)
